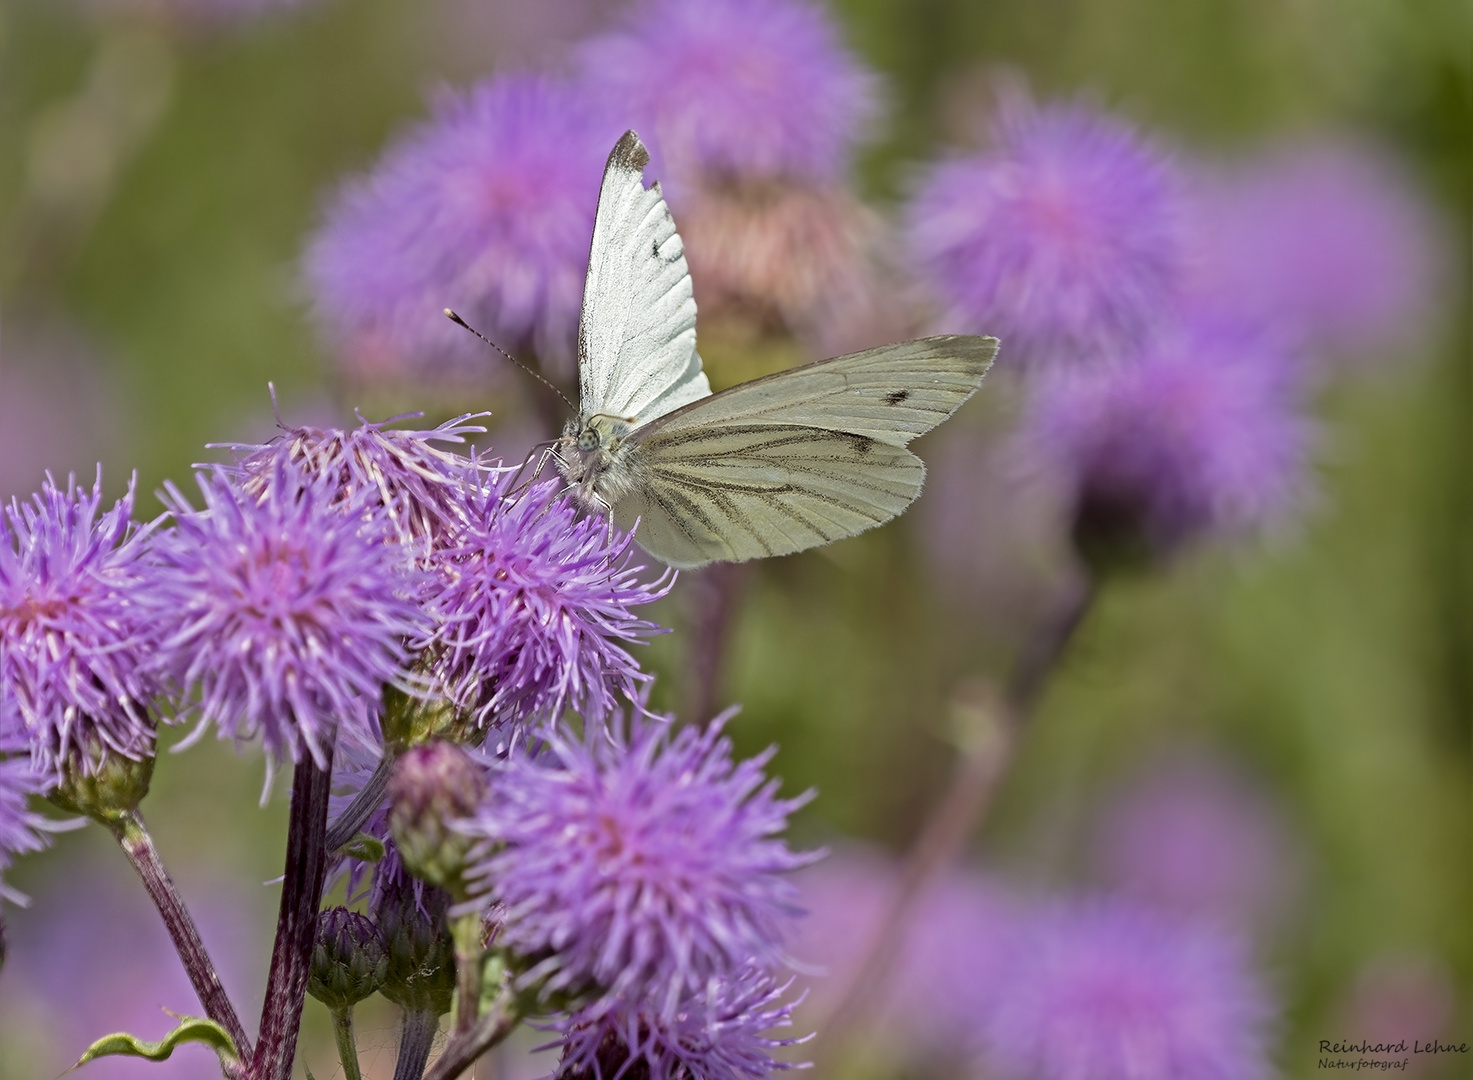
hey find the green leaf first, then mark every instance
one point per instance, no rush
(364, 848)
(190, 1029)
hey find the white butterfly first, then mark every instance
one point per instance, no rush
(772, 466)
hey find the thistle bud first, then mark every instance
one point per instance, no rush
(431, 787)
(350, 959)
(412, 916)
(103, 790)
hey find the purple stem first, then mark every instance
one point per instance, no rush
(296, 925)
(369, 798)
(714, 599)
(416, 1038)
(466, 1046)
(137, 844)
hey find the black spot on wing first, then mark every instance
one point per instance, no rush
(895, 397)
(862, 444)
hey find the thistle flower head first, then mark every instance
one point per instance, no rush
(1062, 238)
(536, 607)
(486, 208)
(1201, 433)
(1108, 991)
(395, 474)
(21, 830)
(718, 1033)
(734, 89)
(286, 611)
(637, 870)
(1326, 241)
(75, 640)
(1193, 835)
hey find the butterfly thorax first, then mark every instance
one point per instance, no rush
(597, 460)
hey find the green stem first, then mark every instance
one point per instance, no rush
(342, 1029)
(466, 931)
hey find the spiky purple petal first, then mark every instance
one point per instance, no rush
(286, 612)
(75, 638)
(639, 870)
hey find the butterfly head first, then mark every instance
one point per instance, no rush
(592, 456)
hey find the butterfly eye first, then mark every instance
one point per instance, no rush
(587, 439)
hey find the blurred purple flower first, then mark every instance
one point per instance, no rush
(717, 1033)
(734, 89)
(1195, 837)
(94, 958)
(286, 612)
(75, 640)
(412, 484)
(486, 208)
(1101, 990)
(536, 607)
(1203, 432)
(1062, 239)
(950, 966)
(21, 830)
(1328, 241)
(640, 869)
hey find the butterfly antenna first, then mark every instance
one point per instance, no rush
(458, 321)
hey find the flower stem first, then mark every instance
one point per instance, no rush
(416, 1037)
(466, 930)
(342, 1029)
(996, 725)
(369, 798)
(466, 1046)
(715, 599)
(296, 925)
(133, 837)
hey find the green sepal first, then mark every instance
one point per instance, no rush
(364, 848)
(191, 1029)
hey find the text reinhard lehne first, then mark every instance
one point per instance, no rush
(1363, 1047)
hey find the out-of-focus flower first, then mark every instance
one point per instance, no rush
(1107, 991)
(287, 612)
(75, 638)
(718, 1033)
(94, 958)
(949, 963)
(486, 208)
(432, 786)
(1327, 241)
(780, 257)
(636, 870)
(1203, 432)
(734, 89)
(410, 483)
(1195, 837)
(412, 916)
(536, 607)
(1063, 238)
(21, 830)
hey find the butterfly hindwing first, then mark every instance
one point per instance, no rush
(733, 492)
(637, 333)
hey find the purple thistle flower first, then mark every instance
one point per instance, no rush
(717, 1033)
(1195, 837)
(640, 870)
(1328, 241)
(75, 640)
(1201, 433)
(722, 89)
(486, 208)
(21, 830)
(1062, 239)
(413, 484)
(536, 606)
(287, 612)
(1105, 991)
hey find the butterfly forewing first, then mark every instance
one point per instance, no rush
(637, 332)
(890, 394)
(734, 492)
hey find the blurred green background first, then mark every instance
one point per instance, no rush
(143, 319)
